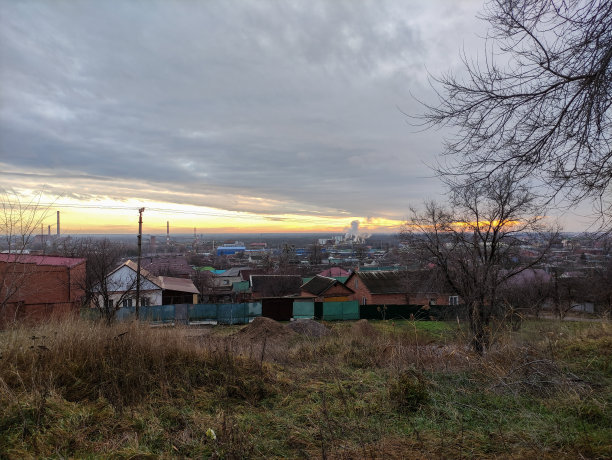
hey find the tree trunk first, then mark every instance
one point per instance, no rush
(479, 321)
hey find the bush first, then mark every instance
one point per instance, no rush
(408, 391)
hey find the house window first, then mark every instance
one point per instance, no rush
(453, 300)
(108, 303)
(356, 283)
(145, 302)
(364, 301)
(127, 302)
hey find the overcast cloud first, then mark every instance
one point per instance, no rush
(266, 106)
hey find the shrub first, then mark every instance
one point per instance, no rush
(408, 391)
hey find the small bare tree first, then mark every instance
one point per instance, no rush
(476, 244)
(101, 290)
(529, 295)
(19, 221)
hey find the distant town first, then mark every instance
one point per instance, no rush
(377, 269)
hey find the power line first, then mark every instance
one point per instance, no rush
(239, 214)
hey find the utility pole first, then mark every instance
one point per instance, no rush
(140, 211)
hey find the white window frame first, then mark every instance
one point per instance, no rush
(453, 300)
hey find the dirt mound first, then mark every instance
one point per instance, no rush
(265, 329)
(363, 328)
(309, 327)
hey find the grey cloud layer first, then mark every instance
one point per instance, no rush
(293, 103)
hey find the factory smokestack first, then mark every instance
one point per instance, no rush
(58, 224)
(167, 232)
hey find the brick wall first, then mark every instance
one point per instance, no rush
(424, 298)
(362, 291)
(43, 291)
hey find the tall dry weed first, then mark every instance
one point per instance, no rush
(124, 363)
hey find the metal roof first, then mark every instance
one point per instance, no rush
(384, 282)
(318, 285)
(170, 283)
(42, 260)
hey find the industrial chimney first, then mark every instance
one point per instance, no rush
(167, 232)
(58, 224)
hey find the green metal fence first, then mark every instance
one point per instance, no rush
(303, 309)
(237, 313)
(243, 313)
(340, 311)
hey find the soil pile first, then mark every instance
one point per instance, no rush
(309, 327)
(363, 328)
(264, 329)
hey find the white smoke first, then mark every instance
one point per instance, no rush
(354, 235)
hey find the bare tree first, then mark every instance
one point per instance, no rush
(476, 244)
(567, 293)
(19, 221)
(539, 102)
(101, 290)
(530, 295)
(204, 281)
(600, 282)
(314, 255)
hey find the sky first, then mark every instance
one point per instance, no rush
(237, 116)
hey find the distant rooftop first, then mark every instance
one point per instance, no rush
(42, 260)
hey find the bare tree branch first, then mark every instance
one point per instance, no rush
(540, 103)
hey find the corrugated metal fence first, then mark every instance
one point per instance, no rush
(243, 313)
(240, 313)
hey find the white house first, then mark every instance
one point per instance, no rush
(154, 290)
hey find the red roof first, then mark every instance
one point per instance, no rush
(334, 271)
(41, 260)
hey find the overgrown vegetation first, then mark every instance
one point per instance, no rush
(367, 390)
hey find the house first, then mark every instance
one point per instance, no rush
(429, 287)
(120, 285)
(275, 286)
(170, 265)
(225, 280)
(400, 287)
(325, 289)
(276, 293)
(38, 287)
(378, 287)
(335, 272)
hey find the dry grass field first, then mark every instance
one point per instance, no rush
(381, 389)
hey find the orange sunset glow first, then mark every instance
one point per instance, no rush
(110, 216)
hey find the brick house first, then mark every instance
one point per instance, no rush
(378, 287)
(418, 287)
(325, 289)
(36, 288)
(429, 287)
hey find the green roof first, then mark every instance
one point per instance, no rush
(207, 269)
(240, 286)
(342, 279)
